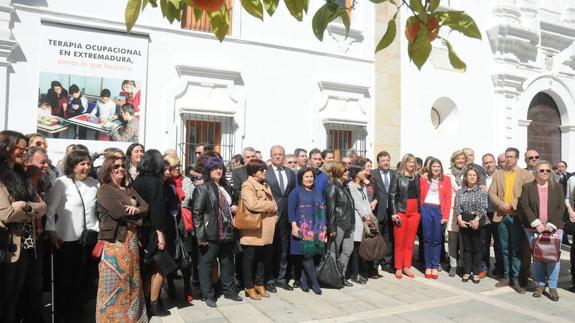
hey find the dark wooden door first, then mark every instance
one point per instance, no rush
(544, 134)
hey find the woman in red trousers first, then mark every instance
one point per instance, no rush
(405, 208)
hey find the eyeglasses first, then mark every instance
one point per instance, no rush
(545, 171)
(118, 166)
(291, 162)
(533, 157)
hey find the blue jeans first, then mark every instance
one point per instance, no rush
(432, 231)
(511, 236)
(539, 267)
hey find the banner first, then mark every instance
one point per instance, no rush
(92, 84)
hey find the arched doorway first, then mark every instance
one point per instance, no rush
(544, 133)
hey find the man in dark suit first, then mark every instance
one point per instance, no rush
(281, 181)
(562, 176)
(382, 177)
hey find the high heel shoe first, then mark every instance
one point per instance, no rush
(408, 273)
(398, 274)
(251, 293)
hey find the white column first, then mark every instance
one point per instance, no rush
(7, 44)
(567, 142)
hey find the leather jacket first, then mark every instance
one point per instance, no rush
(205, 211)
(340, 207)
(398, 193)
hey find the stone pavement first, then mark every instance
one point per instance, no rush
(391, 300)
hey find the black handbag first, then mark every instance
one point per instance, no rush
(328, 271)
(165, 262)
(89, 238)
(183, 258)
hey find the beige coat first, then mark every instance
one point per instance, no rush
(497, 190)
(8, 215)
(258, 198)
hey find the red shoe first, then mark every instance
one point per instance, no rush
(408, 274)
(190, 298)
(434, 276)
(398, 274)
(428, 276)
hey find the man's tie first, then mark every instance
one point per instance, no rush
(386, 181)
(281, 180)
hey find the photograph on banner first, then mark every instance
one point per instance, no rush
(91, 84)
(88, 108)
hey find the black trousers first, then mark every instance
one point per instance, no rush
(260, 256)
(208, 254)
(386, 229)
(280, 254)
(30, 305)
(12, 279)
(471, 250)
(74, 280)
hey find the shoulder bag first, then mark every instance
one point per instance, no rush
(328, 271)
(246, 220)
(89, 238)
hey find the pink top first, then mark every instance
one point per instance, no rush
(543, 198)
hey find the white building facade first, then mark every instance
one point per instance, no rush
(517, 90)
(268, 83)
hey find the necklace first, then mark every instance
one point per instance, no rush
(411, 178)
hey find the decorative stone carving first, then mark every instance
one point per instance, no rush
(507, 12)
(344, 42)
(508, 84)
(513, 42)
(343, 103)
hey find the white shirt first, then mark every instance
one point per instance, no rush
(107, 110)
(432, 196)
(283, 174)
(64, 200)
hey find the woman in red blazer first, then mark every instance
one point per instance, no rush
(435, 198)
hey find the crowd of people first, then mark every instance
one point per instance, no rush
(136, 222)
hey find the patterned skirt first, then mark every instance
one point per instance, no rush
(120, 295)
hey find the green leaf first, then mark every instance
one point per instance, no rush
(144, 4)
(296, 8)
(271, 6)
(455, 61)
(460, 21)
(420, 49)
(220, 22)
(132, 13)
(198, 14)
(416, 6)
(389, 36)
(154, 3)
(163, 7)
(254, 8)
(378, 1)
(433, 5)
(175, 4)
(323, 16)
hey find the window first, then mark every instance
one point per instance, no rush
(341, 137)
(206, 129)
(189, 20)
(544, 132)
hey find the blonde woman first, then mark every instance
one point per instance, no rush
(405, 208)
(455, 173)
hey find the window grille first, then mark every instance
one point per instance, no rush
(341, 137)
(212, 130)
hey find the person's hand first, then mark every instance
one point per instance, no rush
(395, 218)
(19, 205)
(443, 221)
(541, 228)
(572, 216)
(483, 188)
(234, 209)
(367, 219)
(294, 231)
(462, 223)
(333, 234)
(199, 182)
(506, 207)
(54, 240)
(203, 243)
(161, 240)
(131, 210)
(373, 204)
(475, 224)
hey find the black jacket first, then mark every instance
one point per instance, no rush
(205, 209)
(340, 207)
(381, 194)
(239, 176)
(398, 193)
(281, 199)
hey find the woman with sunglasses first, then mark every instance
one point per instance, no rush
(73, 199)
(159, 233)
(120, 294)
(341, 217)
(543, 204)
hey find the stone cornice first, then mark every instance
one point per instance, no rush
(6, 47)
(508, 83)
(518, 41)
(556, 37)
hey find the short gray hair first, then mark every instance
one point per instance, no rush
(251, 149)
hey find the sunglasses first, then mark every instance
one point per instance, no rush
(545, 171)
(533, 157)
(291, 162)
(118, 166)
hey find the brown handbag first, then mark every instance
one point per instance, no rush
(546, 248)
(246, 220)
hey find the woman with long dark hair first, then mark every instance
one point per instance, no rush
(57, 96)
(120, 293)
(213, 226)
(19, 207)
(159, 235)
(134, 155)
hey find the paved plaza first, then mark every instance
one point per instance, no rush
(390, 300)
